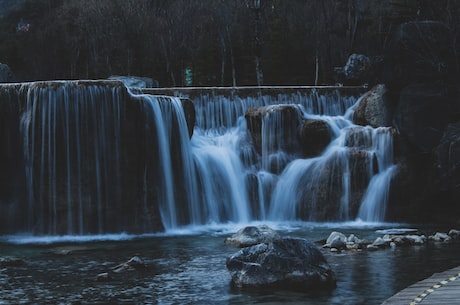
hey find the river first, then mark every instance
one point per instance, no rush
(187, 266)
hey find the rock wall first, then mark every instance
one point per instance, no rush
(421, 76)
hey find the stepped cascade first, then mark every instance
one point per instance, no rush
(92, 157)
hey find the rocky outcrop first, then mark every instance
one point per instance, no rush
(373, 109)
(287, 263)
(252, 235)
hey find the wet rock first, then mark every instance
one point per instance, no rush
(338, 244)
(133, 263)
(440, 237)
(416, 239)
(11, 262)
(190, 114)
(315, 136)
(380, 243)
(373, 110)
(252, 235)
(286, 263)
(275, 126)
(336, 236)
(338, 241)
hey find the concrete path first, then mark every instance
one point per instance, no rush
(439, 289)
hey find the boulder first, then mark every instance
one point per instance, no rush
(274, 128)
(373, 109)
(285, 263)
(420, 51)
(252, 235)
(315, 136)
(6, 75)
(336, 236)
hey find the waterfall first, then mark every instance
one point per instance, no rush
(332, 186)
(95, 158)
(70, 142)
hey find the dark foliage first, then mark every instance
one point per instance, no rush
(223, 42)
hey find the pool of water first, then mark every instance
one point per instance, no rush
(188, 267)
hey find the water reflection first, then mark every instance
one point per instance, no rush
(190, 269)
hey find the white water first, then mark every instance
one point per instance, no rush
(75, 168)
(220, 149)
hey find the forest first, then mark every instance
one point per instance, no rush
(217, 42)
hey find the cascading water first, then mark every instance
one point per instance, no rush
(98, 158)
(283, 185)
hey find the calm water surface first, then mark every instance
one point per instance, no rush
(188, 267)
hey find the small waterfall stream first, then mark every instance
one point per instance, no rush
(98, 158)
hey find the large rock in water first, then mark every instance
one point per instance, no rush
(286, 263)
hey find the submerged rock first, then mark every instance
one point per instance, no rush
(133, 263)
(252, 235)
(285, 263)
